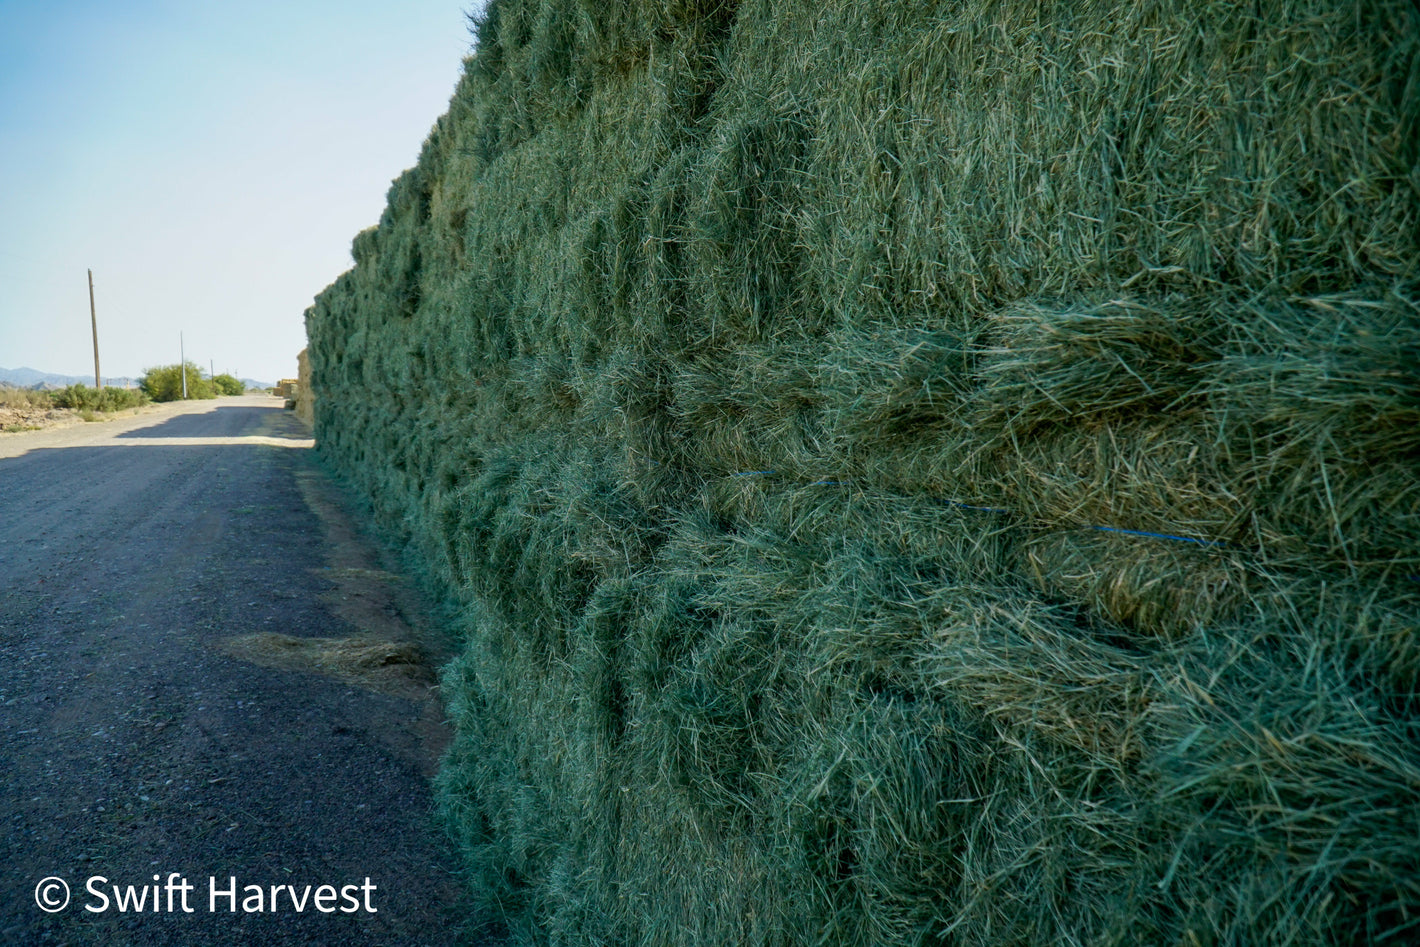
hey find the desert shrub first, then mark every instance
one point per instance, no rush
(24, 397)
(165, 383)
(912, 472)
(228, 385)
(108, 398)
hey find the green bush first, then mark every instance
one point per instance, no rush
(913, 472)
(165, 383)
(108, 398)
(228, 385)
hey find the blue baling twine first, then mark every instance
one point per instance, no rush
(1140, 532)
(1105, 529)
(980, 509)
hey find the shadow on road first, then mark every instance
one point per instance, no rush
(222, 420)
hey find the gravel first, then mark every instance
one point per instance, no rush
(136, 746)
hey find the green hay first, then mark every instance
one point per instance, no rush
(776, 393)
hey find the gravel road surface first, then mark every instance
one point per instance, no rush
(215, 693)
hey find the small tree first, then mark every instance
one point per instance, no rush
(228, 385)
(165, 383)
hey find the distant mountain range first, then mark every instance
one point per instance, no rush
(32, 378)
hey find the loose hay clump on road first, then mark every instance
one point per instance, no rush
(913, 473)
(389, 666)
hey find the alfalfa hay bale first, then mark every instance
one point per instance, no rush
(913, 472)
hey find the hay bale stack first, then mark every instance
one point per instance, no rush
(913, 472)
(303, 395)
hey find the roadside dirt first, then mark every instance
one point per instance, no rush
(23, 420)
(209, 671)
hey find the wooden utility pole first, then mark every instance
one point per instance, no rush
(182, 350)
(94, 320)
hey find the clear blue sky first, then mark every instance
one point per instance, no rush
(210, 162)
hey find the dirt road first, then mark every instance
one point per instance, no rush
(214, 693)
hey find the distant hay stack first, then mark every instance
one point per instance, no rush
(913, 472)
(304, 399)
